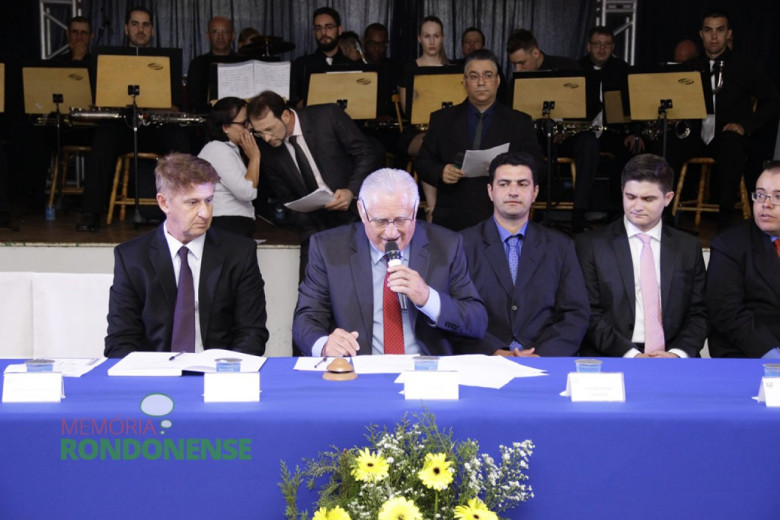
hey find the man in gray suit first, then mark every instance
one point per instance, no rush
(308, 149)
(348, 303)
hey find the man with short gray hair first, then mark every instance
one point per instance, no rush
(357, 299)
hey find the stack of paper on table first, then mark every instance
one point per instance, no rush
(172, 364)
(68, 367)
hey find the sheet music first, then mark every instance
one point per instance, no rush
(476, 162)
(311, 202)
(247, 79)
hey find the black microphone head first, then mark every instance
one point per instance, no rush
(391, 249)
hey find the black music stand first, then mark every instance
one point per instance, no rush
(546, 96)
(677, 94)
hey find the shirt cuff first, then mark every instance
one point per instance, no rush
(319, 346)
(681, 353)
(632, 353)
(772, 354)
(432, 308)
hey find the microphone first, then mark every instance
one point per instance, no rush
(394, 258)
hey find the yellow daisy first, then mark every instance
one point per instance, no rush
(475, 510)
(399, 508)
(370, 467)
(436, 472)
(337, 513)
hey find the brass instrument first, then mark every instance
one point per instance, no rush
(145, 117)
(569, 128)
(653, 129)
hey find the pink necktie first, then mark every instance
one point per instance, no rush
(777, 246)
(394, 329)
(654, 330)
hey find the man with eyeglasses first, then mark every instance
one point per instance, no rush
(350, 302)
(327, 29)
(317, 147)
(479, 123)
(220, 35)
(743, 278)
(527, 275)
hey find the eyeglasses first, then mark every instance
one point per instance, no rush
(602, 45)
(763, 197)
(245, 123)
(473, 77)
(398, 222)
(326, 27)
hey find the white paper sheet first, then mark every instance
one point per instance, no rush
(311, 202)
(172, 364)
(68, 367)
(476, 162)
(247, 79)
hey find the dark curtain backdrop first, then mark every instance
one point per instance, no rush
(560, 25)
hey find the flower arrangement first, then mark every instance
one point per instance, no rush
(413, 472)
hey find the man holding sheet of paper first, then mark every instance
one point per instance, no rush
(310, 149)
(479, 123)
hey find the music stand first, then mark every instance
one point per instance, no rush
(53, 90)
(150, 88)
(548, 95)
(664, 95)
(434, 88)
(354, 91)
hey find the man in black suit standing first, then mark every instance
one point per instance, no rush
(743, 278)
(184, 286)
(736, 84)
(479, 123)
(526, 274)
(327, 29)
(308, 149)
(645, 279)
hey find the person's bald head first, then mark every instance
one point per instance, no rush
(685, 50)
(220, 34)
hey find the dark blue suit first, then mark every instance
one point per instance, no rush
(547, 307)
(337, 291)
(231, 299)
(609, 275)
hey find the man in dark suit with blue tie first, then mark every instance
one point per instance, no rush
(184, 286)
(645, 279)
(348, 303)
(527, 275)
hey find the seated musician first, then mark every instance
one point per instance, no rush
(220, 36)
(114, 139)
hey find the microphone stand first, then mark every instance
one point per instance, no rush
(666, 104)
(547, 108)
(138, 219)
(57, 99)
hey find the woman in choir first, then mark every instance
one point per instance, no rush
(234, 154)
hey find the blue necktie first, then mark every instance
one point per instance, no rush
(512, 255)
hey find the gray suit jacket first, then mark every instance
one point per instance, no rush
(338, 289)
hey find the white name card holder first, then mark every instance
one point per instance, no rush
(33, 387)
(430, 385)
(231, 387)
(769, 392)
(606, 387)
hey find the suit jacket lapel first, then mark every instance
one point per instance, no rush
(668, 266)
(362, 279)
(419, 260)
(625, 264)
(495, 253)
(210, 270)
(765, 258)
(530, 257)
(162, 265)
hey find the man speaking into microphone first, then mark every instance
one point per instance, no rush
(348, 302)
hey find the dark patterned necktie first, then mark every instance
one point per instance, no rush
(303, 165)
(183, 337)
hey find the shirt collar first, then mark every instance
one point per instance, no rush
(297, 127)
(504, 233)
(474, 110)
(195, 246)
(378, 256)
(632, 230)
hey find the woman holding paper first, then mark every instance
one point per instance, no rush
(238, 172)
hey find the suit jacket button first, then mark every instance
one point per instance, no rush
(514, 307)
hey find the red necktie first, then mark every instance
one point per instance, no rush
(777, 246)
(394, 329)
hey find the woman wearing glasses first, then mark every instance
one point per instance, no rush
(238, 172)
